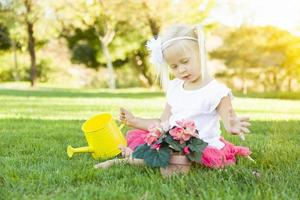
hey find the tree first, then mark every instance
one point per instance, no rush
(5, 41)
(23, 16)
(98, 21)
(253, 51)
(111, 31)
(29, 21)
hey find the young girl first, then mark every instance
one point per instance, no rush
(192, 94)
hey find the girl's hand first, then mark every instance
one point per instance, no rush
(126, 151)
(238, 125)
(126, 116)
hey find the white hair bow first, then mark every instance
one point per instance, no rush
(155, 47)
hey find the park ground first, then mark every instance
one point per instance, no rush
(36, 126)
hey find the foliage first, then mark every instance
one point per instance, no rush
(161, 142)
(267, 53)
(16, 16)
(128, 30)
(84, 24)
(44, 68)
(5, 41)
(83, 53)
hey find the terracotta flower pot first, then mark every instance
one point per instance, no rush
(179, 164)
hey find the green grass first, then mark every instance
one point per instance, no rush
(271, 95)
(37, 125)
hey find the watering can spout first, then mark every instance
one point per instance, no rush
(71, 150)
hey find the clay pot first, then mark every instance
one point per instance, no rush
(179, 164)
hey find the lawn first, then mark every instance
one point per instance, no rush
(37, 125)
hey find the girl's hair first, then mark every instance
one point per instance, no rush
(187, 38)
(178, 30)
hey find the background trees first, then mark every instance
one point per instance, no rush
(267, 55)
(106, 40)
(28, 25)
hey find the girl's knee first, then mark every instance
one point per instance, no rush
(135, 138)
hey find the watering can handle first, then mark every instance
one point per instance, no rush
(123, 123)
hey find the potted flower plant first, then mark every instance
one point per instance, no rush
(171, 149)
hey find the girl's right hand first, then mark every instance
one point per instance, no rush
(126, 116)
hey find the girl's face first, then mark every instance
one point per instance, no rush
(183, 63)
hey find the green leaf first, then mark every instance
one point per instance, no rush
(173, 143)
(197, 145)
(194, 156)
(140, 151)
(160, 140)
(158, 158)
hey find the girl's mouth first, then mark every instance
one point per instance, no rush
(186, 77)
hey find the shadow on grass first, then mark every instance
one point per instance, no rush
(78, 93)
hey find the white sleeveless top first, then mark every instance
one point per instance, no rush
(200, 106)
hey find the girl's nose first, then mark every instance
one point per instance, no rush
(181, 69)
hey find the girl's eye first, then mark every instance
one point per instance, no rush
(185, 61)
(173, 66)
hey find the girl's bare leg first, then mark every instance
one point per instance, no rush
(109, 163)
(127, 152)
(251, 159)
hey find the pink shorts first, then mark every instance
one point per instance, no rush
(211, 157)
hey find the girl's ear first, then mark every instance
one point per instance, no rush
(195, 30)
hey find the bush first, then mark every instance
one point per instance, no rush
(43, 69)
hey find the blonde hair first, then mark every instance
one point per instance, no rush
(184, 36)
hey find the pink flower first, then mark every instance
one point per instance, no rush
(155, 146)
(189, 127)
(186, 136)
(177, 134)
(187, 124)
(184, 131)
(153, 135)
(150, 139)
(153, 128)
(186, 150)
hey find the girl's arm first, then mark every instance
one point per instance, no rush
(233, 124)
(141, 123)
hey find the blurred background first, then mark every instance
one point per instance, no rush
(253, 45)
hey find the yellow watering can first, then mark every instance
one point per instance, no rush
(103, 137)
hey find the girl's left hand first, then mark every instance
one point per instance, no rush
(126, 151)
(238, 125)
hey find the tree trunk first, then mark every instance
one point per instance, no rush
(154, 27)
(31, 41)
(274, 81)
(264, 84)
(143, 69)
(245, 86)
(112, 77)
(16, 73)
(31, 49)
(145, 78)
(290, 84)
